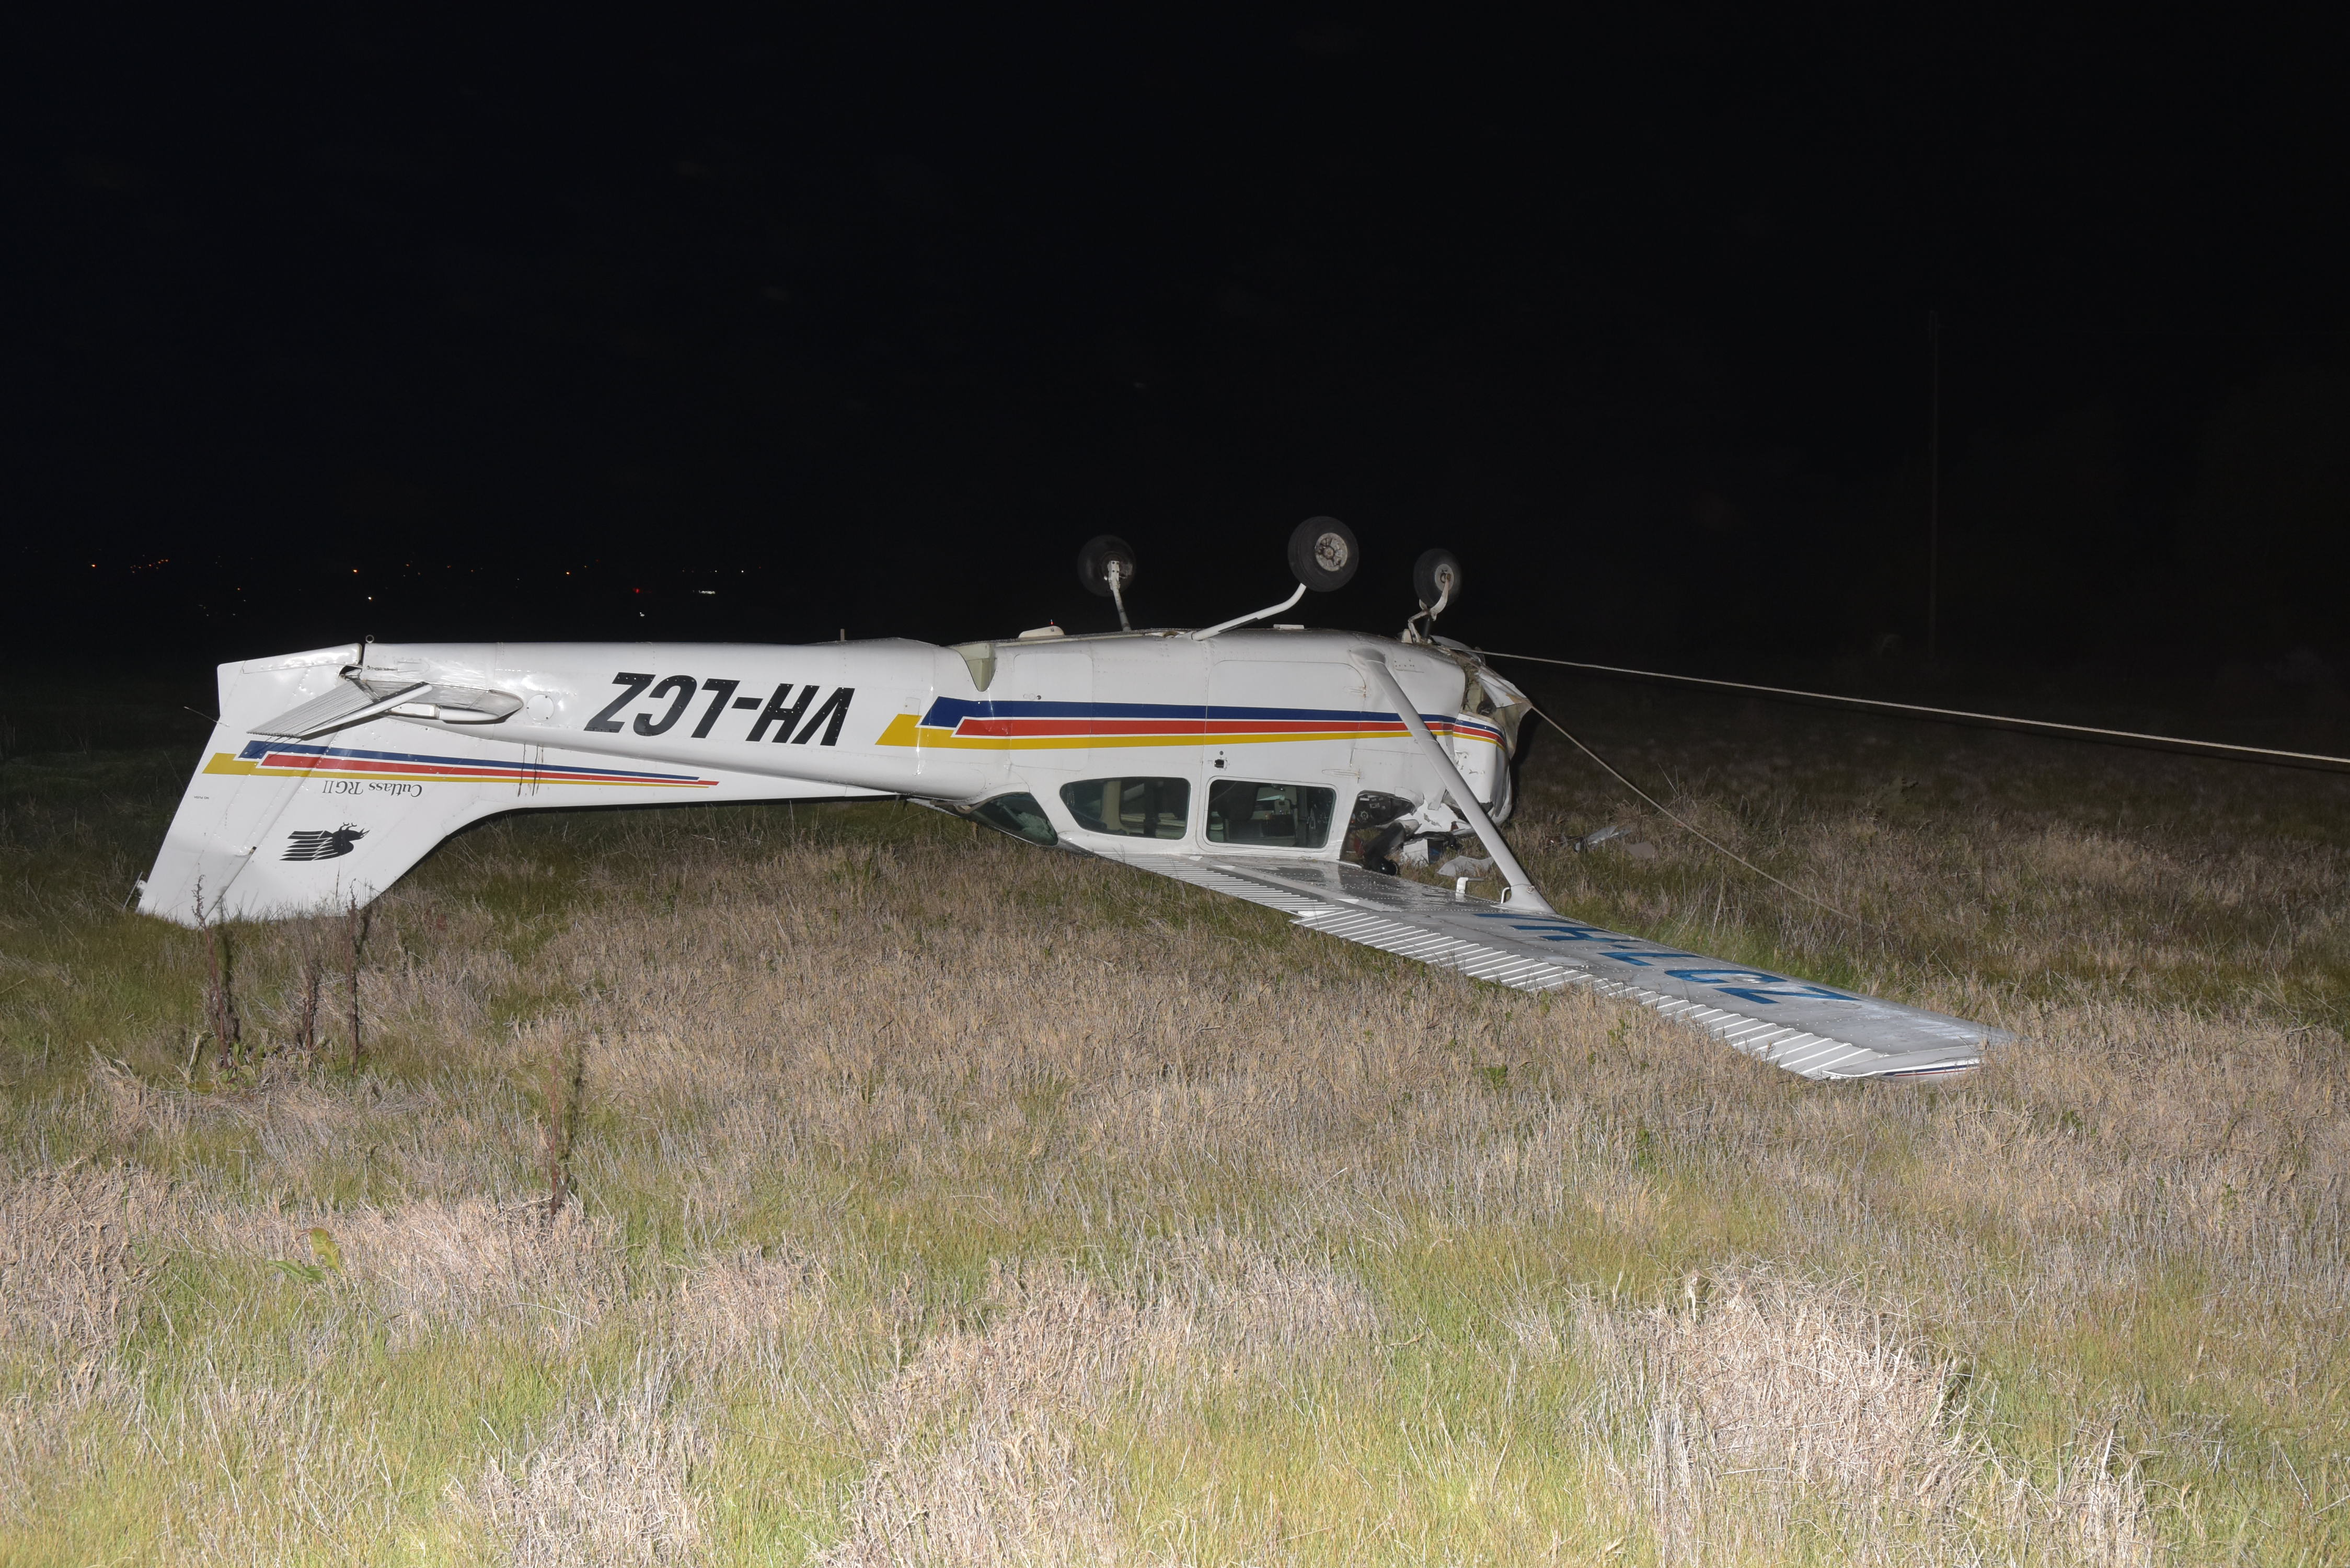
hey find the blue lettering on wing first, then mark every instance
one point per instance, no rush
(1552, 929)
(1797, 991)
(1641, 960)
(1750, 985)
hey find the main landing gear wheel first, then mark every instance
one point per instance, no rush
(1322, 553)
(1095, 560)
(1436, 578)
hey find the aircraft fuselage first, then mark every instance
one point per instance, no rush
(1133, 742)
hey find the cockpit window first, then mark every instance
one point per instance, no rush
(1132, 808)
(1282, 816)
(1017, 814)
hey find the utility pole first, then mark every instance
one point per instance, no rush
(1934, 485)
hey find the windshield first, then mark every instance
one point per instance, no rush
(1017, 814)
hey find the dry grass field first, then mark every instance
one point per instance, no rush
(930, 1199)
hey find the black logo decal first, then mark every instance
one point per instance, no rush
(322, 843)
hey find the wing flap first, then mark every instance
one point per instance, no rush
(1810, 1030)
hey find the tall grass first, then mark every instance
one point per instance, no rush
(930, 1199)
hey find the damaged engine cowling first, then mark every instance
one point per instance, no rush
(1493, 700)
(1392, 831)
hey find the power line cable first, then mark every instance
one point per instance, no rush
(1933, 950)
(2051, 725)
(1715, 845)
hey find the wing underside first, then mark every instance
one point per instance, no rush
(1811, 1030)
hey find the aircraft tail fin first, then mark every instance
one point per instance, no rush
(308, 798)
(271, 829)
(323, 784)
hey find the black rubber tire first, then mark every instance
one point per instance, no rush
(1323, 553)
(1093, 562)
(1429, 574)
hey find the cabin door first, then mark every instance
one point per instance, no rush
(1043, 701)
(1279, 764)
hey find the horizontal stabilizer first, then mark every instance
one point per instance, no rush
(355, 702)
(461, 705)
(348, 703)
(1811, 1030)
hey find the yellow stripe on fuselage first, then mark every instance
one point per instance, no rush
(224, 762)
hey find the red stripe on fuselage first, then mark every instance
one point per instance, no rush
(1005, 729)
(1012, 729)
(495, 773)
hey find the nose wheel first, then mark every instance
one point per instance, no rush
(1436, 578)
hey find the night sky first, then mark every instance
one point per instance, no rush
(868, 318)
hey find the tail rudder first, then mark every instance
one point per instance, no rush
(271, 829)
(323, 784)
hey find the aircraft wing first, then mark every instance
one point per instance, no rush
(1811, 1030)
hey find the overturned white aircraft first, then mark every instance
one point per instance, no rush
(1242, 759)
